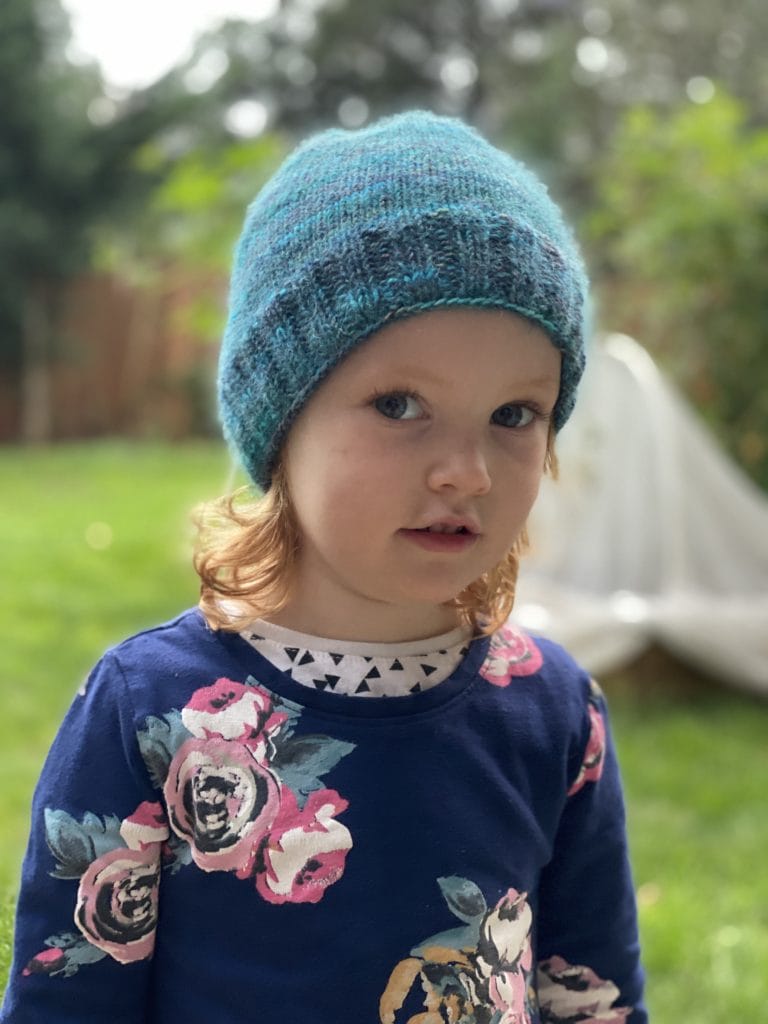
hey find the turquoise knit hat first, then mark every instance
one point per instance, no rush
(360, 228)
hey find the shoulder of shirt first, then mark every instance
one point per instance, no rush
(188, 625)
(158, 646)
(155, 666)
(547, 666)
(556, 659)
(541, 686)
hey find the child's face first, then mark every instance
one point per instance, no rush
(439, 420)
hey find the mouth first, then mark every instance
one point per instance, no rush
(444, 535)
(452, 525)
(440, 528)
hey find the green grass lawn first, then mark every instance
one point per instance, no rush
(95, 545)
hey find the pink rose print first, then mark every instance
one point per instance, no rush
(229, 803)
(116, 906)
(504, 956)
(47, 962)
(221, 800)
(233, 711)
(146, 825)
(568, 992)
(306, 850)
(511, 653)
(508, 991)
(594, 754)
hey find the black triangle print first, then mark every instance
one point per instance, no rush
(396, 666)
(373, 674)
(255, 636)
(363, 688)
(332, 680)
(306, 658)
(442, 652)
(337, 658)
(292, 652)
(367, 657)
(429, 669)
(416, 688)
(320, 684)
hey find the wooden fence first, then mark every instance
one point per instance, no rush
(122, 360)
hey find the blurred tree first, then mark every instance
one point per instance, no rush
(552, 80)
(66, 161)
(178, 251)
(680, 238)
(188, 225)
(38, 97)
(320, 62)
(549, 76)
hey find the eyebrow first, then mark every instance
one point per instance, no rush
(541, 381)
(420, 373)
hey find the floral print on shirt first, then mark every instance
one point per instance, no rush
(241, 793)
(568, 993)
(478, 973)
(482, 971)
(591, 768)
(511, 653)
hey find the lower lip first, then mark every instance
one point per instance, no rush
(444, 542)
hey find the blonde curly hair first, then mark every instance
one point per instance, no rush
(247, 549)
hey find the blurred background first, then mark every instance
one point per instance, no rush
(131, 139)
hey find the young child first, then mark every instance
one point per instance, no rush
(345, 790)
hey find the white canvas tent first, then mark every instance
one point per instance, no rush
(651, 534)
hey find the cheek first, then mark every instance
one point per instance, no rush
(518, 486)
(330, 499)
(345, 468)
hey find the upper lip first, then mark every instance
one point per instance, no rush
(452, 523)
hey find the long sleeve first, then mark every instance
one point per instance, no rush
(588, 949)
(89, 884)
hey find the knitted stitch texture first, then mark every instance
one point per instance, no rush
(360, 228)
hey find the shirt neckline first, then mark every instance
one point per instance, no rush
(410, 705)
(292, 638)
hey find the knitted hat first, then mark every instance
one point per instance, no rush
(360, 228)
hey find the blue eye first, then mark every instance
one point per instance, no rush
(398, 405)
(512, 415)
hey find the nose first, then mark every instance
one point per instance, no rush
(460, 467)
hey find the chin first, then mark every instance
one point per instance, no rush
(434, 597)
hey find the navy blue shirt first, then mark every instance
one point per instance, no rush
(214, 843)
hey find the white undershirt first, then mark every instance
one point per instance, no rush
(359, 669)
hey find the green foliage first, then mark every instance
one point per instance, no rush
(42, 162)
(552, 75)
(680, 239)
(548, 77)
(190, 222)
(205, 195)
(314, 65)
(63, 167)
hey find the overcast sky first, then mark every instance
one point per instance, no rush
(135, 41)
